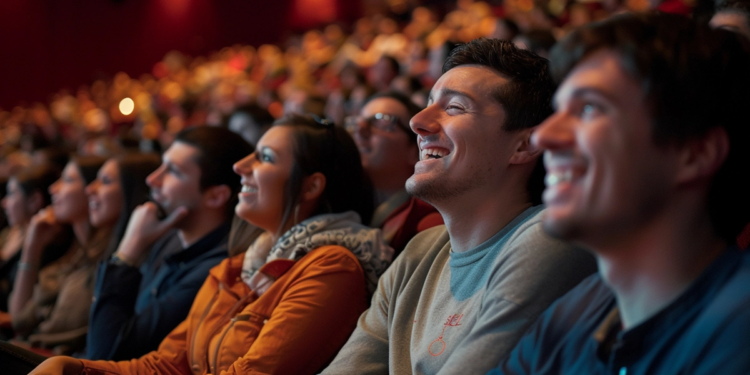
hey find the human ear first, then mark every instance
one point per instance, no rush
(313, 187)
(701, 158)
(525, 151)
(217, 196)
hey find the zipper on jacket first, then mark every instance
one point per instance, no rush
(232, 311)
(195, 334)
(218, 345)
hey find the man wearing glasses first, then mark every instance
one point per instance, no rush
(389, 151)
(461, 295)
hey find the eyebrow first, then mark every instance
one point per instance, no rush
(451, 92)
(169, 163)
(583, 91)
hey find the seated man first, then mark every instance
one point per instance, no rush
(460, 293)
(146, 289)
(389, 152)
(646, 156)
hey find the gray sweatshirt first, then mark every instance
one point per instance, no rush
(436, 311)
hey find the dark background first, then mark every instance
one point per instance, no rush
(48, 45)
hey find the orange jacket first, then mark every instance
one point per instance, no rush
(296, 327)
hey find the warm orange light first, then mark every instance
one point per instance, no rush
(127, 106)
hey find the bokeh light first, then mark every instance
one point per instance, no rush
(127, 106)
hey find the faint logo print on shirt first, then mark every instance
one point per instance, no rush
(437, 347)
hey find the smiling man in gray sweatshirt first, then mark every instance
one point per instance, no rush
(461, 295)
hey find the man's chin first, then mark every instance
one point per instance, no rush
(427, 189)
(559, 228)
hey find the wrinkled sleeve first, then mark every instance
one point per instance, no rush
(170, 359)
(114, 304)
(117, 332)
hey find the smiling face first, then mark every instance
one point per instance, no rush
(176, 183)
(385, 153)
(605, 174)
(105, 196)
(461, 141)
(264, 174)
(15, 204)
(69, 200)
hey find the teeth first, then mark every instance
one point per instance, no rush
(554, 178)
(433, 152)
(248, 189)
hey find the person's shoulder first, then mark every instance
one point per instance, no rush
(425, 242)
(424, 248)
(228, 266)
(583, 307)
(732, 301)
(329, 253)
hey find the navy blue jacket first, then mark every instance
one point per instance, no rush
(134, 309)
(706, 330)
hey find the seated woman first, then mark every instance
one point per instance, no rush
(27, 193)
(119, 188)
(53, 303)
(288, 304)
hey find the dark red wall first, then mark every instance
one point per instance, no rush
(54, 44)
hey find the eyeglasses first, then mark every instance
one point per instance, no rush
(380, 121)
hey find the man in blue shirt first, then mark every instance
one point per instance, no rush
(148, 286)
(645, 155)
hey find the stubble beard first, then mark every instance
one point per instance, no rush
(440, 189)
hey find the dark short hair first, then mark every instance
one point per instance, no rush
(411, 108)
(392, 63)
(538, 40)
(330, 150)
(693, 79)
(88, 166)
(219, 149)
(38, 178)
(739, 6)
(526, 98)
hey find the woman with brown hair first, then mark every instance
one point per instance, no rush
(287, 304)
(49, 307)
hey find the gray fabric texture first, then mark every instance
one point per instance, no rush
(429, 317)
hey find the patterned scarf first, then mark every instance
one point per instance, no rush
(343, 229)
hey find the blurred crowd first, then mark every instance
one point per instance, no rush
(328, 72)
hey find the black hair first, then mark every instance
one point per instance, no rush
(526, 98)
(133, 168)
(741, 6)
(392, 62)
(38, 178)
(539, 41)
(411, 108)
(693, 79)
(58, 156)
(330, 150)
(88, 166)
(737, 6)
(219, 149)
(260, 115)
